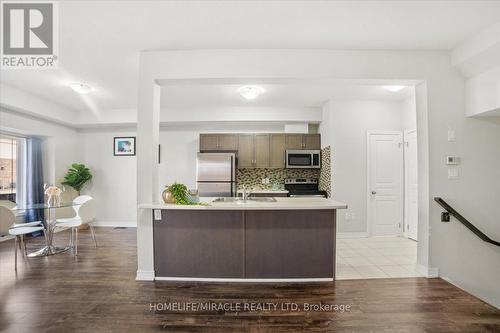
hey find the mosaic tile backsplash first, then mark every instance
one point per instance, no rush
(325, 178)
(252, 178)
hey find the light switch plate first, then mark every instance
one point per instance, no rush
(157, 214)
(451, 136)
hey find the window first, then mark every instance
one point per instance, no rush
(8, 168)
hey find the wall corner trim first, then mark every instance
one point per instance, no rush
(428, 272)
(145, 275)
(357, 234)
(112, 224)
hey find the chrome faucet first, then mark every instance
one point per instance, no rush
(246, 194)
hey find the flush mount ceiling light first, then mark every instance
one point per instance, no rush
(81, 88)
(250, 92)
(394, 88)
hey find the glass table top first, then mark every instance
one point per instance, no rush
(45, 206)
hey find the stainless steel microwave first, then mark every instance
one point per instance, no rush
(303, 159)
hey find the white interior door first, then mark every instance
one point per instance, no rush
(411, 185)
(385, 180)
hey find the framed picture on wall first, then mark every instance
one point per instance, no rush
(124, 146)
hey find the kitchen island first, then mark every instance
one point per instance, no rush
(290, 239)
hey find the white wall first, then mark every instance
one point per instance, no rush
(297, 128)
(344, 129)
(114, 177)
(482, 93)
(408, 109)
(128, 117)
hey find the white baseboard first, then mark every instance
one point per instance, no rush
(358, 234)
(145, 275)
(191, 279)
(127, 224)
(481, 297)
(429, 272)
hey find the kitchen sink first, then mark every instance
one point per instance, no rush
(240, 200)
(228, 199)
(262, 199)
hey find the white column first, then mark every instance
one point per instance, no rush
(148, 128)
(423, 262)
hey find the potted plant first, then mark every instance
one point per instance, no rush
(77, 176)
(178, 193)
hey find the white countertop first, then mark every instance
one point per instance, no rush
(266, 191)
(281, 203)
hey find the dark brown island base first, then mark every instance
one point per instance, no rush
(245, 244)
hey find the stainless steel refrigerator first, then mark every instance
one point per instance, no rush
(216, 174)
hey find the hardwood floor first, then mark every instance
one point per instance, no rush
(97, 293)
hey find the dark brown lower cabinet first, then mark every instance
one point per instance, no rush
(197, 243)
(289, 243)
(254, 244)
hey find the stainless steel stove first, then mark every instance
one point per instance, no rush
(304, 187)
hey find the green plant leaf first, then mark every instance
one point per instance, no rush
(180, 194)
(77, 176)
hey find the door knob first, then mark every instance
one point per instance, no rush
(374, 192)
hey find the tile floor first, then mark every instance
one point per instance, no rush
(376, 257)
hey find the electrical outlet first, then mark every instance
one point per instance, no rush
(453, 173)
(349, 216)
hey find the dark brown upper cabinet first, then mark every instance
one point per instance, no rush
(245, 151)
(253, 151)
(312, 141)
(216, 142)
(303, 141)
(259, 150)
(294, 141)
(277, 151)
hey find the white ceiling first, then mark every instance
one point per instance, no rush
(275, 95)
(100, 40)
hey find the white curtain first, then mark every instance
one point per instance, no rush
(21, 172)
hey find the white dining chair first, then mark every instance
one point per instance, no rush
(18, 230)
(84, 214)
(6, 216)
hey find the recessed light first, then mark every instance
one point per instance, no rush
(81, 88)
(250, 92)
(394, 88)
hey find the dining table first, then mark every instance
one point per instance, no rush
(49, 224)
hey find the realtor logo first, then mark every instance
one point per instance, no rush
(29, 34)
